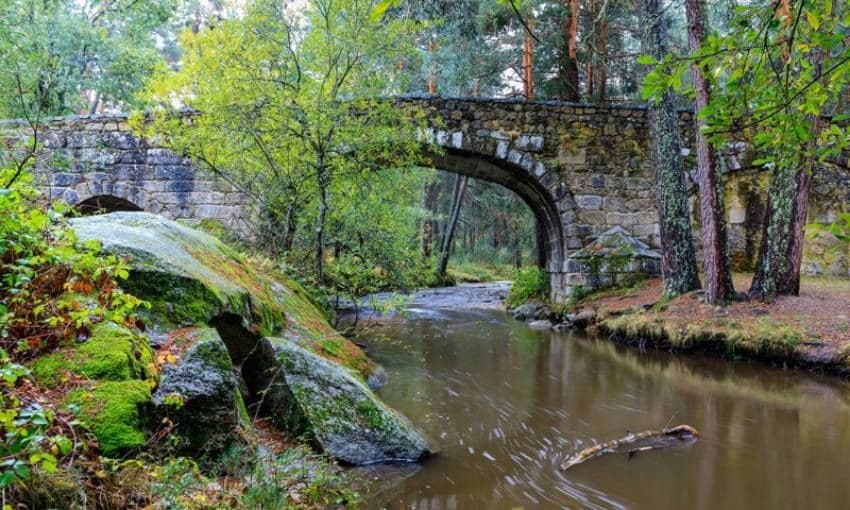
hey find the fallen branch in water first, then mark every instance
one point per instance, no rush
(680, 432)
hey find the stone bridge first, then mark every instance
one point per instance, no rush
(582, 169)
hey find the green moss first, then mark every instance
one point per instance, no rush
(764, 339)
(213, 354)
(175, 301)
(112, 353)
(111, 410)
(244, 417)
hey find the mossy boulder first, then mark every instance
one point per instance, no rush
(112, 353)
(199, 392)
(112, 374)
(115, 412)
(192, 278)
(187, 275)
(341, 413)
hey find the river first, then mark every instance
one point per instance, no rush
(506, 404)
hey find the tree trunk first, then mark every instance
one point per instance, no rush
(602, 57)
(678, 258)
(431, 192)
(323, 183)
(781, 250)
(448, 233)
(718, 281)
(569, 66)
(291, 225)
(589, 67)
(791, 282)
(528, 66)
(432, 72)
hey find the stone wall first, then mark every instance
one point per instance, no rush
(746, 196)
(90, 158)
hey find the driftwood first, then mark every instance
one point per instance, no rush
(680, 432)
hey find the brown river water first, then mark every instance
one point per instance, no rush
(507, 404)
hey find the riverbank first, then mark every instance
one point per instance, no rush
(809, 331)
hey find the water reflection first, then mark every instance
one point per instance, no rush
(507, 404)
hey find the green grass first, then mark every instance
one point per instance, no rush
(479, 272)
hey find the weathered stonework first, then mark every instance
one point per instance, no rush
(96, 161)
(582, 169)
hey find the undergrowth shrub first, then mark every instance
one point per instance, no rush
(53, 289)
(529, 283)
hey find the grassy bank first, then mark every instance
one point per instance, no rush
(809, 330)
(479, 272)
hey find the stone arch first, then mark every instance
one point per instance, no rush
(551, 244)
(98, 204)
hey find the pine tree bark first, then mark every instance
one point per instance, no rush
(528, 66)
(431, 192)
(602, 58)
(589, 67)
(718, 278)
(678, 257)
(448, 233)
(432, 72)
(781, 251)
(569, 66)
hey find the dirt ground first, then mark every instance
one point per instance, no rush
(819, 316)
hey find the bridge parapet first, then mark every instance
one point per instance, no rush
(583, 169)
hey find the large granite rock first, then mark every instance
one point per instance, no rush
(191, 278)
(199, 392)
(296, 369)
(341, 413)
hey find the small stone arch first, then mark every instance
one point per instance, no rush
(551, 244)
(101, 204)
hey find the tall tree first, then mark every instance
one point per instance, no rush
(451, 226)
(678, 258)
(718, 277)
(569, 65)
(299, 122)
(67, 56)
(781, 67)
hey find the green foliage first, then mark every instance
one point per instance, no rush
(54, 51)
(840, 228)
(300, 128)
(53, 287)
(529, 283)
(28, 436)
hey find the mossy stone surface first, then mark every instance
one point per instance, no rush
(346, 419)
(200, 394)
(112, 353)
(113, 411)
(190, 277)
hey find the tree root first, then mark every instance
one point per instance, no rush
(680, 432)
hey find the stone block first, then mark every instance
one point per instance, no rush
(180, 186)
(614, 204)
(572, 156)
(174, 172)
(162, 157)
(529, 142)
(589, 201)
(65, 180)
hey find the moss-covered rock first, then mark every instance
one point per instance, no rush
(191, 278)
(342, 414)
(200, 394)
(114, 412)
(112, 353)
